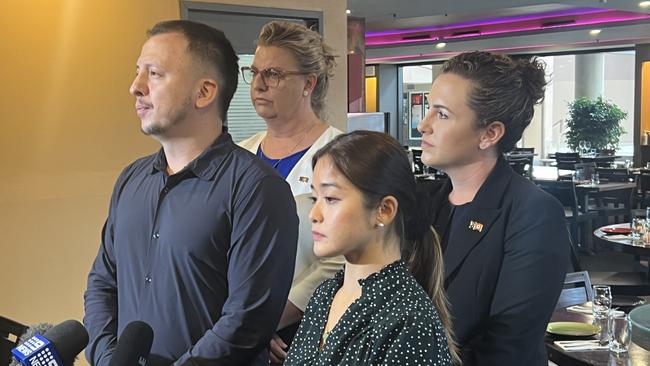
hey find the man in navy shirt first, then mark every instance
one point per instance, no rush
(200, 239)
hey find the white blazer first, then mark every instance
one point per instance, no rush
(310, 270)
(300, 176)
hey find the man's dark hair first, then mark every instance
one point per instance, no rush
(503, 89)
(211, 47)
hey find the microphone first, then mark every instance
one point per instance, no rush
(133, 345)
(39, 328)
(57, 347)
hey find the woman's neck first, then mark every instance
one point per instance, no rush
(360, 266)
(283, 128)
(466, 180)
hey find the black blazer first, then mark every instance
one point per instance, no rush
(505, 269)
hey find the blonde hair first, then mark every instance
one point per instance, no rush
(312, 55)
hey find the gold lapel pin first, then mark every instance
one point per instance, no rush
(303, 179)
(476, 226)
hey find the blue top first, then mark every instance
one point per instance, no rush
(284, 165)
(196, 256)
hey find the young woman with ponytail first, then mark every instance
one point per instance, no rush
(505, 242)
(387, 306)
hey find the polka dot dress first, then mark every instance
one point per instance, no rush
(392, 323)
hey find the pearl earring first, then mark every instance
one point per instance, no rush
(305, 93)
(380, 224)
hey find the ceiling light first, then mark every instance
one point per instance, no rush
(348, 11)
(594, 32)
(644, 4)
(441, 45)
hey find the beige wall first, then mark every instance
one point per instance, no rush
(67, 129)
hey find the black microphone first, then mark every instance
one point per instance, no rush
(58, 346)
(133, 345)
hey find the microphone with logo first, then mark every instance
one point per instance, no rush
(133, 345)
(57, 347)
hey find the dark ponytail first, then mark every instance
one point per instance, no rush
(422, 251)
(377, 165)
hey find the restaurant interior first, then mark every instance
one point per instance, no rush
(69, 129)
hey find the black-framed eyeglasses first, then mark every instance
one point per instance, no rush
(271, 76)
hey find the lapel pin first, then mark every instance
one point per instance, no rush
(476, 226)
(303, 179)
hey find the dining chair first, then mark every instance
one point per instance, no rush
(522, 165)
(566, 161)
(577, 290)
(565, 193)
(523, 150)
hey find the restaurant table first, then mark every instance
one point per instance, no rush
(635, 356)
(621, 243)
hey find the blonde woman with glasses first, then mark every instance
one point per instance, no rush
(289, 78)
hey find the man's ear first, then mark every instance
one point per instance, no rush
(491, 135)
(207, 93)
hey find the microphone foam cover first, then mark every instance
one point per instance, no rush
(69, 339)
(134, 343)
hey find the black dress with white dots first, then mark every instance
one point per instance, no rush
(393, 323)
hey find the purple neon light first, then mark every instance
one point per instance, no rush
(512, 30)
(492, 21)
(532, 47)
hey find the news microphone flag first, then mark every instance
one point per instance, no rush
(37, 351)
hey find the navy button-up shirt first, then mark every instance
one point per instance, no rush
(204, 256)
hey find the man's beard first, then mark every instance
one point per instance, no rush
(160, 129)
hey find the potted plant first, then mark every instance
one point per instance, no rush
(595, 121)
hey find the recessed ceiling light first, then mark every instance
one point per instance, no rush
(441, 45)
(594, 32)
(644, 4)
(348, 11)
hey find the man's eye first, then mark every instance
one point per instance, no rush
(442, 115)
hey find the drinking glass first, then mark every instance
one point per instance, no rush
(638, 227)
(582, 146)
(601, 305)
(620, 332)
(602, 302)
(595, 179)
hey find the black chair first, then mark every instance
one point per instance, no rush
(643, 190)
(566, 161)
(522, 165)
(577, 290)
(565, 192)
(615, 174)
(10, 332)
(523, 150)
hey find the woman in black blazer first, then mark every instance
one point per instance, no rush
(506, 246)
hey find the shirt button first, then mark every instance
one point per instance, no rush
(147, 279)
(155, 236)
